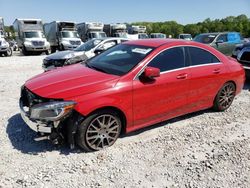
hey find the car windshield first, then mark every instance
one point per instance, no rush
(88, 45)
(143, 36)
(98, 35)
(158, 36)
(121, 34)
(120, 59)
(34, 34)
(69, 34)
(185, 36)
(206, 39)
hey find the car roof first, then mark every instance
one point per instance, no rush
(159, 42)
(113, 38)
(217, 33)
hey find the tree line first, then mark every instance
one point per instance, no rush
(239, 23)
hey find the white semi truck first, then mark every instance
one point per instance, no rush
(116, 30)
(62, 35)
(30, 37)
(90, 30)
(4, 45)
(137, 32)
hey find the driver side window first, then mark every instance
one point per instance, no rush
(222, 37)
(169, 59)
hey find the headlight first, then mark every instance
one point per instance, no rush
(65, 42)
(73, 60)
(27, 43)
(51, 111)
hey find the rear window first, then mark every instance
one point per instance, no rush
(200, 57)
(205, 38)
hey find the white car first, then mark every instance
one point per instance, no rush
(81, 53)
(4, 46)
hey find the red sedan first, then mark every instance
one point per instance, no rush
(128, 87)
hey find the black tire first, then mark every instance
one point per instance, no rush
(92, 136)
(224, 97)
(24, 51)
(47, 52)
(53, 49)
(8, 53)
(62, 47)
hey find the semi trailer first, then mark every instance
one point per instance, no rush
(116, 30)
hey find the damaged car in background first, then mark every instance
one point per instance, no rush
(81, 53)
(128, 87)
(242, 54)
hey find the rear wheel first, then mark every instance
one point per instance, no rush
(99, 130)
(225, 97)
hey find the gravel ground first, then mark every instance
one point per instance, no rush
(204, 149)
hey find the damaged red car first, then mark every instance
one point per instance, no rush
(130, 86)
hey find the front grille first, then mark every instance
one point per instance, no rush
(53, 62)
(245, 57)
(72, 42)
(38, 43)
(29, 99)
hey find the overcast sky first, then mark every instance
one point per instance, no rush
(111, 11)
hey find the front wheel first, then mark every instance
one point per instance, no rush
(9, 52)
(99, 130)
(225, 97)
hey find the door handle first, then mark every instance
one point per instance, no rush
(216, 71)
(182, 76)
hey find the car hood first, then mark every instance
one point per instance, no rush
(70, 81)
(64, 55)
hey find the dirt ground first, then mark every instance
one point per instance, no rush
(204, 149)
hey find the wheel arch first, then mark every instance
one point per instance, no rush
(120, 113)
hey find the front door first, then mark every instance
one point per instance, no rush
(165, 96)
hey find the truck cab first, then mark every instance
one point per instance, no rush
(90, 30)
(30, 37)
(69, 40)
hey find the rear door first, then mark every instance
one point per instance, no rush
(207, 76)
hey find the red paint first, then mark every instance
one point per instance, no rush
(143, 103)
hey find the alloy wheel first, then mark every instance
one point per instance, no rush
(102, 132)
(227, 95)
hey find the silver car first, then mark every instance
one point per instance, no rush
(81, 53)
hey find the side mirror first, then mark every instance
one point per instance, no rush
(151, 72)
(219, 41)
(99, 50)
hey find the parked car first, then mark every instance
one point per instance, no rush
(4, 46)
(224, 42)
(157, 35)
(185, 36)
(81, 53)
(130, 86)
(242, 53)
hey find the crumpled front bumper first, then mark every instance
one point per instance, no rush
(34, 125)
